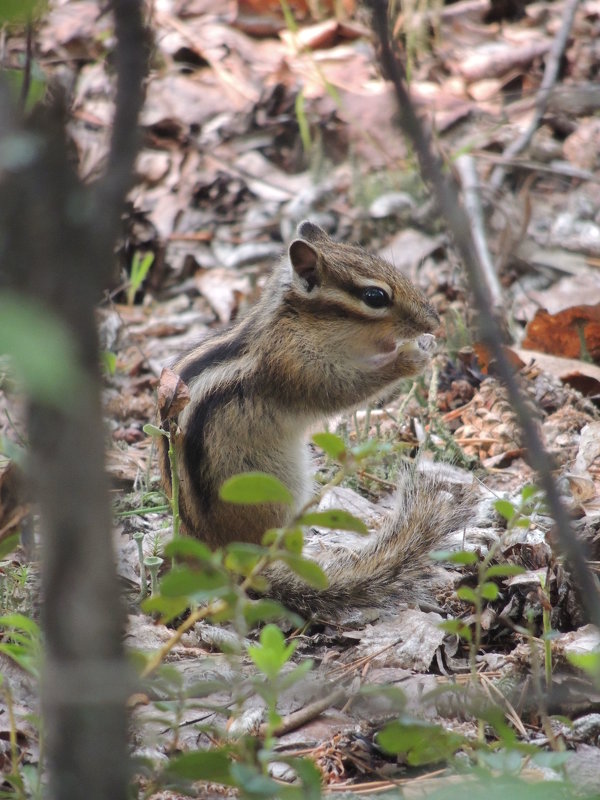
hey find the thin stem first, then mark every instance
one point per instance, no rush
(447, 194)
(174, 481)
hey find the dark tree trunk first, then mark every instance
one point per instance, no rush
(57, 246)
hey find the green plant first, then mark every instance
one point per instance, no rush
(28, 81)
(170, 435)
(486, 589)
(140, 266)
(22, 642)
(215, 586)
(16, 594)
(153, 564)
(108, 362)
(43, 354)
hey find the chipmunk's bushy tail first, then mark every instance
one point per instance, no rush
(393, 565)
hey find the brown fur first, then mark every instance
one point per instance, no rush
(310, 347)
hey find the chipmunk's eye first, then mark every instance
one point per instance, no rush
(375, 297)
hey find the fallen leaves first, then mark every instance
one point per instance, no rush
(571, 333)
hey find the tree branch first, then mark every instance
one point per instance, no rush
(550, 75)
(447, 193)
(131, 58)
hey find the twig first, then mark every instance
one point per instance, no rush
(490, 689)
(298, 718)
(550, 75)
(469, 179)
(446, 193)
(554, 168)
(131, 62)
(26, 83)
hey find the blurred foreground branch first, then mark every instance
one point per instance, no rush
(447, 195)
(57, 239)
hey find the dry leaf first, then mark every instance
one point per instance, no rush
(173, 394)
(582, 488)
(561, 334)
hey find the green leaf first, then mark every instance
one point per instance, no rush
(167, 607)
(466, 593)
(548, 760)
(186, 547)
(419, 742)
(36, 89)
(333, 445)
(186, 582)
(212, 765)
(334, 518)
(588, 662)
(254, 783)
(265, 609)
(154, 431)
(528, 491)
(108, 361)
(455, 557)
(308, 570)
(20, 11)
(9, 544)
(272, 653)
(489, 591)
(504, 571)
(42, 351)
(309, 774)
(22, 623)
(140, 265)
(372, 447)
(505, 508)
(496, 718)
(251, 488)
(242, 557)
(523, 522)
(293, 540)
(457, 627)
(21, 656)
(303, 124)
(295, 674)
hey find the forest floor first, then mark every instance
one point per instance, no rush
(254, 121)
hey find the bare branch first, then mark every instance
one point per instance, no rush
(447, 195)
(131, 56)
(465, 166)
(550, 75)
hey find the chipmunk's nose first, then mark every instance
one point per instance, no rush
(432, 317)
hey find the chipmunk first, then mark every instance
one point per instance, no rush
(335, 326)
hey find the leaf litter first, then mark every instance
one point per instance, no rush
(231, 160)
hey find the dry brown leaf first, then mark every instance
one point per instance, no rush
(582, 147)
(223, 288)
(580, 375)
(173, 394)
(582, 488)
(486, 360)
(322, 35)
(494, 59)
(561, 334)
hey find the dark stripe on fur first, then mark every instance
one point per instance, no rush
(226, 347)
(195, 459)
(321, 309)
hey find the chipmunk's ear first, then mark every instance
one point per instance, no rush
(304, 259)
(310, 232)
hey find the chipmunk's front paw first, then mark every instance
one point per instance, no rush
(428, 343)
